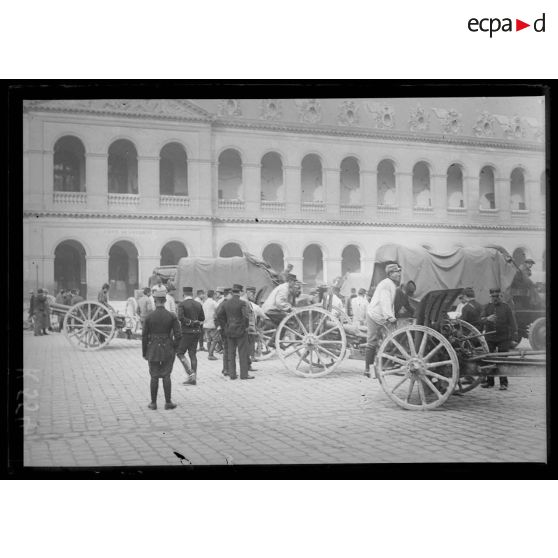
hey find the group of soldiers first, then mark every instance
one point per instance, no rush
(40, 308)
(227, 315)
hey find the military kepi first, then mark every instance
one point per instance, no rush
(159, 291)
(187, 290)
(236, 288)
(390, 268)
(495, 291)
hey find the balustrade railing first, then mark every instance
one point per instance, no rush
(70, 197)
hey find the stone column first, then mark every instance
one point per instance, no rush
(48, 178)
(251, 178)
(368, 183)
(148, 182)
(96, 180)
(293, 190)
(35, 178)
(96, 274)
(533, 201)
(439, 194)
(200, 186)
(404, 182)
(503, 198)
(332, 191)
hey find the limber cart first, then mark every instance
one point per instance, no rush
(89, 325)
(418, 365)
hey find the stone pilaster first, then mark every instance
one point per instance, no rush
(96, 180)
(251, 178)
(96, 274)
(332, 191)
(368, 183)
(148, 182)
(404, 181)
(439, 193)
(503, 198)
(293, 190)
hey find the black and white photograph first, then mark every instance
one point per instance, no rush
(284, 281)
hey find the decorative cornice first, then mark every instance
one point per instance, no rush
(278, 221)
(183, 110)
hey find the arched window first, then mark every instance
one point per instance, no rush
(271, 176)
(173, 170)
(349, 181)
(313, 266)
(386, 184)
(487, 199)
(172, 252)
(69, 165)
(230, 175)
(350, 260)
(421, 185)
(311, 179)
(123, 270)
(69, 267)
(274, 256)
(455, 186)
(230, 250)
(517, 189)
(123, 168)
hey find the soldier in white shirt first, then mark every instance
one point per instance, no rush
(277, 304)
(380, 312)
(209, 327)
(359, 305)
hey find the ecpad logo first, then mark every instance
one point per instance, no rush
(493, 25)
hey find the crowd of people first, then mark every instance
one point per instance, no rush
(224, 320)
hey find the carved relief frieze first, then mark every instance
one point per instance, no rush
(451, 121)
(484, 127)
(229, 107)
(419, 120)
(271, 109)
(512, 128)
(536, 129)
(310, 110)
(348, 114)
(383, 116)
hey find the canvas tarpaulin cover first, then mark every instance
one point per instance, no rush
(210, 273)
(480, 268)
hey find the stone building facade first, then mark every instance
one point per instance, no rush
(113, 188)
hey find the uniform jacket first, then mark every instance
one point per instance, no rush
(189, 312)
(472, 313)
(233, 314)
(160, 335)
(505, 326)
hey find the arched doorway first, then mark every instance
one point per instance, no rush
(350, 260)
(123, 270)
(69, 165)
(273, 255)
(122, 168)
(487, 199)
(173, 170)
(386, 183)
(421, 185)
(172, 252)
(313, 266)
(271, 176)
(455, 186)
(517, 189)
(70, 267)
(229, 175)
(230, 250)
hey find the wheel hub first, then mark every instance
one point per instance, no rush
(310, 340)
(415, 365)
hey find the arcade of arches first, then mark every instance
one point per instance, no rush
(230, 250)
(70, 267)
(172, 252)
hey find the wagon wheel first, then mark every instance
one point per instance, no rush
(89, 325)
(475, 346)
(311, 342)
(417, 367)
(266, 334)
(537, 334)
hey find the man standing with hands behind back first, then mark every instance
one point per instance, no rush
(191, 318)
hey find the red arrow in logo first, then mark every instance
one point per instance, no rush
(519, 25)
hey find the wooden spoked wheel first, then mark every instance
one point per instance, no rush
(311, 342)
(89, 325)
(475, 345)
(417, 367)
(266, 334)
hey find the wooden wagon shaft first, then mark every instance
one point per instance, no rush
(59, 309)
(520, 354)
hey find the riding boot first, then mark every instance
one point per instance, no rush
(185, 364)
(154, 385)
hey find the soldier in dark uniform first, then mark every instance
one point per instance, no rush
(191, 318)
(499, 319)
(233, 314)
(472, 310)
(221, 328)
(160, 338)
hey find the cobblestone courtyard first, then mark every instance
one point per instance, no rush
(90, 409)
